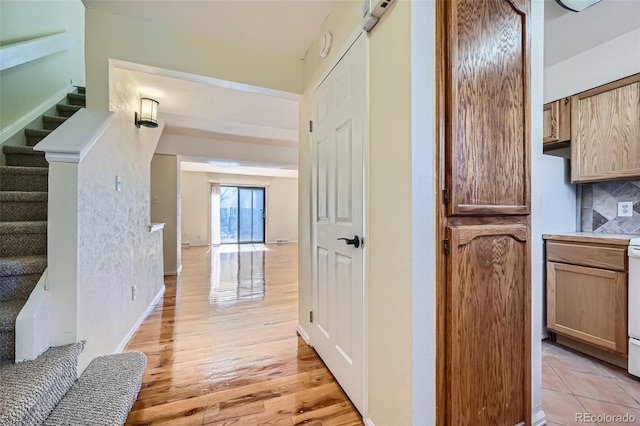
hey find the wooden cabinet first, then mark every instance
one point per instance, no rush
(489, 355)
(557, 125)
(587, 293)
(484, 337)
(488, 96)
(605, 132)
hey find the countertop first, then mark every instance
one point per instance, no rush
(592, 237)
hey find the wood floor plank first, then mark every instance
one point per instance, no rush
(222, 348)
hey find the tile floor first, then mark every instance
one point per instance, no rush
(575, 386)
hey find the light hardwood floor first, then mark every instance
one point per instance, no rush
(222, 347)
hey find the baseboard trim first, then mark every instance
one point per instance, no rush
(144, 315)
(539, 419)
(36, 112)
(369, 422)
(305, 336)
(172, 273)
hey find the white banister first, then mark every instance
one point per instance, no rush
(75, 137)
(20, 53)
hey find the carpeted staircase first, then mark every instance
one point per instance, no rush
(45, 391)
(23, 220)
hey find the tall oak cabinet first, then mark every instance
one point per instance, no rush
(484, 367)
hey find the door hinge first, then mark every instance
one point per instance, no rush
(447, 249)
(311, 316)
(310, 126)
(445, 195)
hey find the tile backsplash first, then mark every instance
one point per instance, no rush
(600, 207)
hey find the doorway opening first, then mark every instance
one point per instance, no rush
(241, 214)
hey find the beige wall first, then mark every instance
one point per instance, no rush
(128, 39)
(388, 249)
(389, 255)
(281, 199)
(25, 87)
(165, 207)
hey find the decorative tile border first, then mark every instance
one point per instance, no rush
(600, 207)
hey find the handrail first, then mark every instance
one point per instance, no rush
(20, 53)
(75, 137)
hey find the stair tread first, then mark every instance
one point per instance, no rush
(104, 393)
(9, 311)
(55, 118)
(22, 170)
(30, 227)
(24, 196)
(37, 132)
(22, 265)
(31, 389)
(77, 95)
(25, 150)
(68, 107)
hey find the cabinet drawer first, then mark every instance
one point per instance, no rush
(612, 258)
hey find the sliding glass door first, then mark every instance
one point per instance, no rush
(241, 214)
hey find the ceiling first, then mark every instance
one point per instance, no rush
(286, 27)
(201, 106)
(204, 107)
(568, 33)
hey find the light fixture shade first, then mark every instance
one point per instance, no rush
(148, 113)
(577, 5)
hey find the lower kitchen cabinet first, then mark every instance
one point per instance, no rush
(587, 293)
(588, 304)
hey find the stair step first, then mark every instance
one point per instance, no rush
(16, 265)
(77, 99)
(16, 206)
(32, 389)
(19, 275)
(23, 238)
(16, 287)
(35, 135)
(81, 89)
(65, 110)
(104, 393)
(8, 313)
(52, 122)
(14, 178)
(24, 156)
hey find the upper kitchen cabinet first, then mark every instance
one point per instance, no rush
(557, 127)
(605, 132)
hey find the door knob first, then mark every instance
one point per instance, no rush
(355, 241)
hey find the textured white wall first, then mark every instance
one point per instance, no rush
(282, 204)
(165, 207)
(115, 249)
(25, 86)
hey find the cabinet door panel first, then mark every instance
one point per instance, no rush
(556, 122)
(551, 122)
(588, 304)
(606, 132)
(488, 96)
(489, 340)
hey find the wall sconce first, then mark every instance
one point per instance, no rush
(148, 113)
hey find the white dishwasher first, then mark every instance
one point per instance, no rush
(634, 307)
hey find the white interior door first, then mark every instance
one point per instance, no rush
(338, 112)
